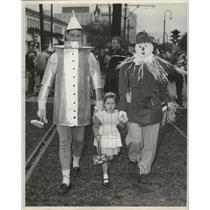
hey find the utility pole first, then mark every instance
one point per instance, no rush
(116, 20)
(164, 29)
(128, 31)
(164, 24)
(125, 17)
(51, 24)
(41, 26)
(110, 23)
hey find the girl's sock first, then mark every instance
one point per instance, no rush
(106, 176)
(105, 173)
(75, 161)
(66, 176)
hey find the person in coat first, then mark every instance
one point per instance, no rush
(112, 77)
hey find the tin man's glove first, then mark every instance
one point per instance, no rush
(42, 111)
(99, 105)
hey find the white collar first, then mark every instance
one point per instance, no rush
(139, 60)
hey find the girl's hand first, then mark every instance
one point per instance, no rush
(172, 106)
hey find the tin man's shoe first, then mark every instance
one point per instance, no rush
(143, 179)
(64, 188)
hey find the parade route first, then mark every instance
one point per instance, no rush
(168, 178)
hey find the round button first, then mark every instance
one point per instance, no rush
(74, 110)
(72, 60)
(73, 76)
(73, 102)
(73, 85)
(74, 117)
(74, 94)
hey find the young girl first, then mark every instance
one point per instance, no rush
(106, 133)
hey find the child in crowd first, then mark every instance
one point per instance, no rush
(105, 124)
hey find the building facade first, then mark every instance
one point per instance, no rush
(32, 29)
(82, 14)
(85, 17)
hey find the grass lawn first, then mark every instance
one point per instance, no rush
(32, 133)
(167, 186)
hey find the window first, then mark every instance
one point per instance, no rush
(28, 25)
(29, 22)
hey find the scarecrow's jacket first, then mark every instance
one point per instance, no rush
(147, 95)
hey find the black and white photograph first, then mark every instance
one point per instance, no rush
(105, 100)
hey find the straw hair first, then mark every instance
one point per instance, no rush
(143, 37)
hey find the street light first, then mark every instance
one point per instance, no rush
(164, 24)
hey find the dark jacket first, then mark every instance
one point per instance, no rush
(112, 77)
(147, 95)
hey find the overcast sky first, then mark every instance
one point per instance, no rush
(149, 19)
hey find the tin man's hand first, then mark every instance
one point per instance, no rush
(42, 115)
(99, 105)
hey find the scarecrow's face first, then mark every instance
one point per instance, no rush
(144, 49)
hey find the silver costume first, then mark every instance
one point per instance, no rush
(72, 69)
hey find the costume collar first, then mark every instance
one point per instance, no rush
(137, 60)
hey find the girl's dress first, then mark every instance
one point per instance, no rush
(110, 136)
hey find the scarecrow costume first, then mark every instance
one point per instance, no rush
(72, 66)
(143, 91)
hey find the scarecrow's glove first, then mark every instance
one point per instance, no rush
(164, 111)
(123, 116)
(180, 70)
(171, 114)
(172, 106)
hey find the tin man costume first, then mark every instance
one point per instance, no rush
(72, 66)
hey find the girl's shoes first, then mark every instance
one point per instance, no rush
(106, 182)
